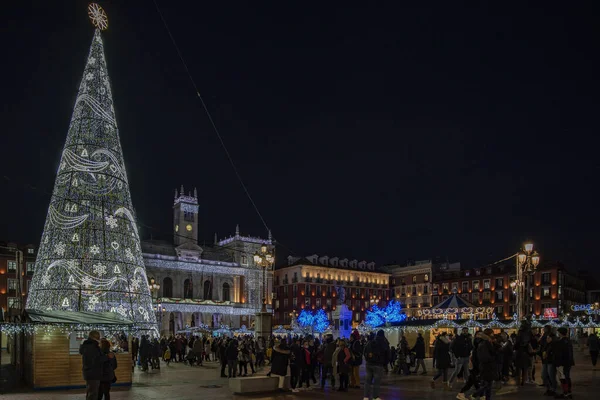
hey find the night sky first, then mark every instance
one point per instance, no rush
(377, 133)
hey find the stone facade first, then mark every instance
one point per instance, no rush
(211, 285)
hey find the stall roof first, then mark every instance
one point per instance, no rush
(77, 317)
(454, 302)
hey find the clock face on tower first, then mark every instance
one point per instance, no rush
(176, 228)
(188, 227)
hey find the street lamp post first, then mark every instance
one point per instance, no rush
(264, 259)
(527, 262)
(154, 288)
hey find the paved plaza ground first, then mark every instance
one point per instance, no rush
(178, 381)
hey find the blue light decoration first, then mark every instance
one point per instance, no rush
(317, 322)
(321, 322)
(305, 319)
(380, 316)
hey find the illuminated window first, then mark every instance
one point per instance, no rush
(486, 284)
(499, 295)
(426, 278)
(30, 267)
(414, 279)
(12, 302)
(465, 286)
(12, 284)
(475, 285)
(30, 251)
(546, 292)
(12, 266)
(486, 296)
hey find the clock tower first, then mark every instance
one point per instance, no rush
(185, 218)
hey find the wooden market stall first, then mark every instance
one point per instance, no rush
(52, 359)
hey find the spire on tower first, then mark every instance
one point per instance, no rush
(270, 236)
(182, 191)
(195, 193)
(216, 238)
(237, 230)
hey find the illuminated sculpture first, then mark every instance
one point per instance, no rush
(90, 257)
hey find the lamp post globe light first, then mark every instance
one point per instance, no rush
(264, 259)
(154, 288)
(527, 262)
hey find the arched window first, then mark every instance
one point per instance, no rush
(207, 290)
(226, 292)
(427, 278)
(188, 289)
(414, 279)
(167, 287)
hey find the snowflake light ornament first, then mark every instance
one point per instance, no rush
(92, 61)
(45, 279)
(99, 269)
(89, 76)
(92, 302)
(98, 16)
(94, 249)
(111, 221)
(121, 310)
(86, 281)
(60, 249)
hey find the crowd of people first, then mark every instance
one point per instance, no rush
(489, 359)
(486, 360)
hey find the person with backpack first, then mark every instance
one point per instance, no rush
(376, 356)
(461, 348)
(419, 350)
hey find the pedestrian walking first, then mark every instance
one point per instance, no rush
(419, 350)
(486, 353)
(441, 356)
(461, 348)
(376, 356)
(564, 360)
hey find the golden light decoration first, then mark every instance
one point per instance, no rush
(98, 16)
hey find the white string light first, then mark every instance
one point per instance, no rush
(90, 258)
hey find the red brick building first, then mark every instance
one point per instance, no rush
(15, 259)
(313, 282)
(553, 289)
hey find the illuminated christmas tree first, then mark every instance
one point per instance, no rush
(90, 257)
(391, 313)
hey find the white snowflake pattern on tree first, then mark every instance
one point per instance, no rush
(94, 249)
(89, 76)
(129, 254)
(135, 284)
(92, 61)
(92, 302)
(45, 279)
(111, 221)
(86, 281)
(99, 269)
(121, 310)
(60, 249)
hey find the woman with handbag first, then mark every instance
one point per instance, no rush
(108, 371)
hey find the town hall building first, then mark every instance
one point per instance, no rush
(210, 285)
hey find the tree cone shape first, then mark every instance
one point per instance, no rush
(90, 257)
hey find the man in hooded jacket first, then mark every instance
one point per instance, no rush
(92, 359)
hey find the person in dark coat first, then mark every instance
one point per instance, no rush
(144, 352)
(594, 347)
(486, 354)
(92, 360)
(108, 371)
(441, 355)
(231, 353)
(222, 349)
(279, 362)
(135, 346)
(564, 360)
(419, 350)
(523, 351)
(328, 350)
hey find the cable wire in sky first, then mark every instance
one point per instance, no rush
(239, 177)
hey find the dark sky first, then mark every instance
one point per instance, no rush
(377, 133)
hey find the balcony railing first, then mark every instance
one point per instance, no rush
(294, 280)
